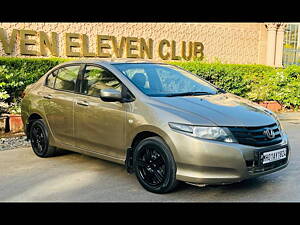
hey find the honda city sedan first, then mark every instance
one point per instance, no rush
(161, 122)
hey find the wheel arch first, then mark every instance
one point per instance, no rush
(32, 117)
(141, 134)
(149, 131)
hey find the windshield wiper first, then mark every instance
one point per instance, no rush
(191, 93)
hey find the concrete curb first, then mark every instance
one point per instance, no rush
(289, 116)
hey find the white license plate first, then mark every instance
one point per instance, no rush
(274, 155)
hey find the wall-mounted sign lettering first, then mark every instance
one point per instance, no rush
(39, 43)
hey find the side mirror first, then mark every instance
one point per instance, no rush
(110, 95)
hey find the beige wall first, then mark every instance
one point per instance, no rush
(243, 43)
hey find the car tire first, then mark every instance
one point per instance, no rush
(40, 140)
(154, 165)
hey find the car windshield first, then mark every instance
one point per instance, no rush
(162, 80)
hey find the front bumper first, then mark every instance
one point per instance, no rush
(210, 162)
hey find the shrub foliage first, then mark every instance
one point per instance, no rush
(17, 73)
(254, 82)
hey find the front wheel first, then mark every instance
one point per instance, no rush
(154, 165)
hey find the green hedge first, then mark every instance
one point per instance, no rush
(230, 77)
(17, 73)
(255, 82)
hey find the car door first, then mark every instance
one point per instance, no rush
(59, 102)
(99, 125)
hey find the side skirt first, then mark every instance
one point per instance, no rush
(93, 154)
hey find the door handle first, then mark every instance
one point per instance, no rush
(48, 96)
(83, 103)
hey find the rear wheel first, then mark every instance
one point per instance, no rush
(154, 165)
(39, 139)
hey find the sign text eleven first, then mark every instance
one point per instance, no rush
(39, 43)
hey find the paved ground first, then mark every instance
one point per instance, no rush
(75, 177)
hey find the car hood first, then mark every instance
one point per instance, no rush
(221, 109)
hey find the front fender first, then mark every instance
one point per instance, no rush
(156, 130)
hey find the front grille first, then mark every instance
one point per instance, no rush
(254, 136)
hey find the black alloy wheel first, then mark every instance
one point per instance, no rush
(151, 165)
(154, 165)
(39, 140)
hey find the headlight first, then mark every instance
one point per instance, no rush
(210, 133)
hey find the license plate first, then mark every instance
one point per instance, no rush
(274, 155)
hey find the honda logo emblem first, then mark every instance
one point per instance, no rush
(269, 133)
